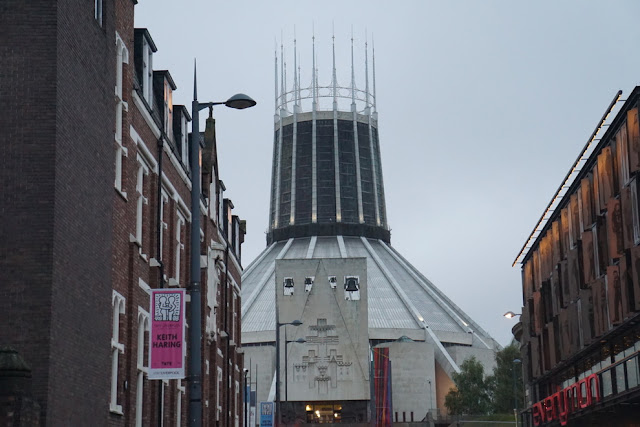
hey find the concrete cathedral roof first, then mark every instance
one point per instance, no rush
(402, 302)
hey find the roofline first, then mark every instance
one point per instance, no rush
(533, 240)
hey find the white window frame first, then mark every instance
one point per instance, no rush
(180, 392)
(164, 199)
(118, 309)
(143, 371)
(180, 224)
(122, 58)
(143, 170)
(221, 214)
(168, 109)
(147, 73)
(218, 391)
(184, 141)
(235, 318)
(237, 405)
(97, 11)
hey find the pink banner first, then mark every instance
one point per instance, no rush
(166, 338)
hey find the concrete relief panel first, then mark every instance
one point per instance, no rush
(332, 361)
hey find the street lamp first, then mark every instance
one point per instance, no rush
(246, 397)
(278, 325)
(515, 394)
(511, 314)
(286, 365)
(239, 101)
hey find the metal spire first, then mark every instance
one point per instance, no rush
(366, 69)
(275, 73)
(282, 88)
(334, 78)
(195, 84)
(353, 75)
(373, 46)
(295, 70)
(313, 72)
(299, 93)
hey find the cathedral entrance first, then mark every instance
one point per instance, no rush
(324, 412)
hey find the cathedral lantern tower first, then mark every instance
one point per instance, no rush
(327, 173)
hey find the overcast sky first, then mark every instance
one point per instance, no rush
(483, 107)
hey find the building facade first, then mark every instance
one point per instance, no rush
(329, 264)
(96, 213)
(579, 329)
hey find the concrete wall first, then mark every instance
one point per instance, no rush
(485, 356)
(260, 360)
(413, 378)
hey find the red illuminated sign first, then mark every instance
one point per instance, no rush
(561, 404)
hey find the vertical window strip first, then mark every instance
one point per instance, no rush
(580, 213)
(623, 158)
(572, 236)
(635, 211)
(596, 250)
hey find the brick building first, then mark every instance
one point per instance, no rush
(580, 330)
(95, 202)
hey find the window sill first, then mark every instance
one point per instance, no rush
(117, 409)
(122, 194)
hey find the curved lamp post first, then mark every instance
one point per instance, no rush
(278, 325)
(515, 394)
(240, 102)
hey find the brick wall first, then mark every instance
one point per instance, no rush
(56, 219)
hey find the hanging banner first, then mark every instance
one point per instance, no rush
(382, 387)
(166, 337)
(266, 414)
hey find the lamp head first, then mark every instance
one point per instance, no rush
(240, 101)
(296, 323)
(300, 341)
(510, 314)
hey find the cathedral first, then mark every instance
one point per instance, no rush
(337, 326)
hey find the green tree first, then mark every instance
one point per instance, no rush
(470, 396)
(506, 381)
